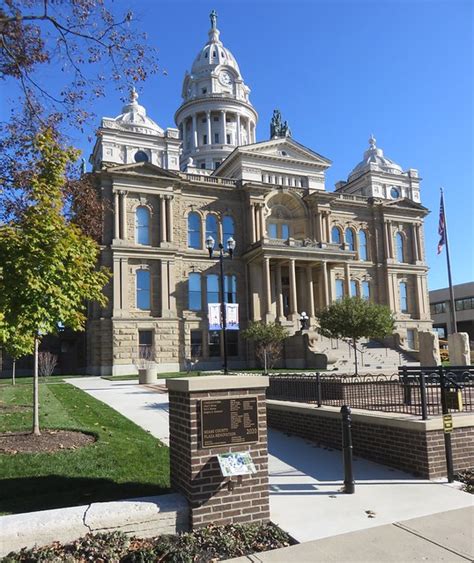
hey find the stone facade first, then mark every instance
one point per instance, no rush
(298, 246)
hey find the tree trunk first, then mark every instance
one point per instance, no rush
(265, 370)
(354, 343)
(36, 428)
(13, 371)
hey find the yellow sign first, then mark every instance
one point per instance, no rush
(447, 423)
(454, 399)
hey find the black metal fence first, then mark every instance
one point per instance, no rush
(413, 390)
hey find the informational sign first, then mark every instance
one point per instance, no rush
(236, 463)
(229, 421)
(232, 316)
(447, 423)
(454, 399)
(214, 316)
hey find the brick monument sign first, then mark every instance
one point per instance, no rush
(210, 418)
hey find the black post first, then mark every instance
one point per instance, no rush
(318, 389)
(223, 312)
(424, 406)
(447, 435)
(406, 387)
(349, 484)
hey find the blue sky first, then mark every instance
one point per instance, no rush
(338, 71)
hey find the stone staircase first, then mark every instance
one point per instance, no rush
(373, 356)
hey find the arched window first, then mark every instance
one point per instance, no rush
(194, 292)
(143, 289)
(363, 255)
(350, 239)
(194, 230)
(212, 289)
(339, 289)
(142, 225)
(354, 292)
(228, 229)
(336, 235)
(230, 289)
(365, 286)
(403, 297)
(211, 229)
(399, 245)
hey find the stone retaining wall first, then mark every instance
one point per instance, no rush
(397, 440)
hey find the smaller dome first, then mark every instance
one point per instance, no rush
(134, 116)
(374, 159)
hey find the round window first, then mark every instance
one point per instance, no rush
(394, 193)
(141, 156)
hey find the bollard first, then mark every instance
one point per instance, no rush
(318, 389)
(349, 484)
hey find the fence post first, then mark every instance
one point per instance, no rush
(406, 387)
(424, 406)
(318, 389)
(349, 485)
(447, 435)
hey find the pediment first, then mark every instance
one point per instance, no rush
(405, 203)
(286, 149)
(142, 169)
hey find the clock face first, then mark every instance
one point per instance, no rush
(395, 193)
(225, 78)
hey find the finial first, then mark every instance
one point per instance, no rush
(372, 141)
(133, 95)
(213, 17)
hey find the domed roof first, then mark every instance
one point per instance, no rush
(134, 116)
(374, 159)
(214, 53)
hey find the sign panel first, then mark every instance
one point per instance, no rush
(238, 463)
(447, 423)
(454, 399)
(214, 316)
(228, 422)
(232, 316)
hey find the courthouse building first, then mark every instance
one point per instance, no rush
(299, 244)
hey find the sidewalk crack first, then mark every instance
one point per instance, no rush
(85, 516)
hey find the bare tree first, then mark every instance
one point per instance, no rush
(47, 362)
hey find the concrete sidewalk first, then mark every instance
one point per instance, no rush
(306, 482)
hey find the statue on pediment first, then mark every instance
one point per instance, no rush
(277, 128)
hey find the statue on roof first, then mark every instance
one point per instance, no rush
(213, 16)
(277, 128)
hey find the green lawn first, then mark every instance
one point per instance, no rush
(124, 462)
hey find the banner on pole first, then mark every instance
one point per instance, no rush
(232, 316)
(214, 316)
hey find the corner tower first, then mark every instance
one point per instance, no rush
(216, 115)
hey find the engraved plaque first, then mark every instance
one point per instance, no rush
(228, 422)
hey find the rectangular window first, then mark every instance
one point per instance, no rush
(216, 138)
(215, 118)
(232, 337)
(403, 298)
(143, 289)
(365, 290)
(212, 293)
(272, 230)
(203, 165)
(464, 304)
(285, 231)
(196, 343)
(204, 139)
(439, 308)
(230, 289)
(353, 288)
(411, 339)
(145, 344)
(214, 344)
(228, 139)
(194, 292)
(339, 289)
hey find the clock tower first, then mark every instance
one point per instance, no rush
(216, 115)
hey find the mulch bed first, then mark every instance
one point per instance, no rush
(49, 441)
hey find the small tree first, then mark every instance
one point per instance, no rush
(16, 346)
(268, 339)
(354, 318)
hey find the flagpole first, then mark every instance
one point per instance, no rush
(448, 263)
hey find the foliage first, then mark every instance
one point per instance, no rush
(354, 318)
(268, 339)
(208, 544)
(48, 265)
(124, 462)
(467, 479)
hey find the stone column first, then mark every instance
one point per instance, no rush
(347, 278)
(165, 308)
(309, 279)
(239, 140)
(172, 289)
(169, 218)
(117, 292)
(249, 140)
(124, 285)
(195, 471)
(414, 243)
(279, 293)
(293, 295)
(325, 284)
(418, 243)
(267, 290)
(194, 132)
(116, 215)
(123, 215)
(210, 141)
(328, 226)
(318, 233)
(163, 228)
(223, 127)
(253, 234)
(261, 220)
(420, 302)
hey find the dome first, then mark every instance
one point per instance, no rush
(214, 54)
(134, 116)
(374, 159)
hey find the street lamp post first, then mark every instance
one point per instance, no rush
(304, 320)
(222, 252)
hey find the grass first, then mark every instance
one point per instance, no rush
(124, 462)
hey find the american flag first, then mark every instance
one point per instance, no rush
(442, 225)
